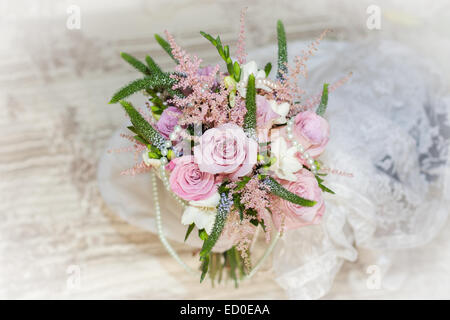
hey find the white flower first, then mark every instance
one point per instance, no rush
(282, 109)
(286, 163)
(246, 70)
(149, 161)
(202, 213)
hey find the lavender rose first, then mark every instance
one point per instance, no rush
(167, 121)
(227, 150)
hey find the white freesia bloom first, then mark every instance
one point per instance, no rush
(202, 213)
(246, 70)
(286, 163)
(282, 109)
(149, 161)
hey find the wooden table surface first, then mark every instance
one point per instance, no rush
(57, 237)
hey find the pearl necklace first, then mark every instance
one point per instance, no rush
(305, 155)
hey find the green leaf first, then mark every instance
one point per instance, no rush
(250, 103)
(138, 138)
(238, 205)
(132, 129)
(237, 71)
(166, 46)
(152, 65)
(282, 51)
(241, 184)
(143, 128)
(278, 190)
(223, 209)
(268, 68)
(202, 234)
(189, 230)
(224, 52)
(135, 63)
(209, 37)
(233, 265)
(326, 189)
(154, 81)
(323, 101)
(204, 267)
(131, 88)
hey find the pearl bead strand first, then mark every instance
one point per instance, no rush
(305, 155)
(159, 228)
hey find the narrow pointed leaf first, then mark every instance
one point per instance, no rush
(282, 51)
(189, 230)
(135, 63)
(160, 80)
(143, 128)
(204, 267)
(323, 101)
(222, 213)
(250, 103)
(152, 65)
(278, 190)
(166, 46)
(268, 68)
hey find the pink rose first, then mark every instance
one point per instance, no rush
(226, 149)
(296, 216)
(264, 113)
(188, 182)
(312, 132)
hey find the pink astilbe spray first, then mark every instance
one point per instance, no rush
(255, 196)
(241, 54)
(289, 89)
(207, 98)
(243, 232)
(138, 168)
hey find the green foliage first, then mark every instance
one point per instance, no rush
(135, 63)
(267, 68)
(152, 65)
(155, 81)
(233, 69)
(142, 127)
(204, 267)
(278, 190)
(189, 230)
(250, 103)
(222, 213)
(202, 234)
(323, 101)
(282, 51)
(324, 188)
(166, 46)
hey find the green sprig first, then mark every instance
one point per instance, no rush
(166, 46)
(222, 213)
(250, 104)
(142, 127)
(282, 51)
(138, 65)
(224, 51)
(323, 101)
(155, 81)
(278, 190)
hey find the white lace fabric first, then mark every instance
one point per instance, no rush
(389, 129)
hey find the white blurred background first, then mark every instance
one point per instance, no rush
(57, 238)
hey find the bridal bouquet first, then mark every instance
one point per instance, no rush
(238, 149)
